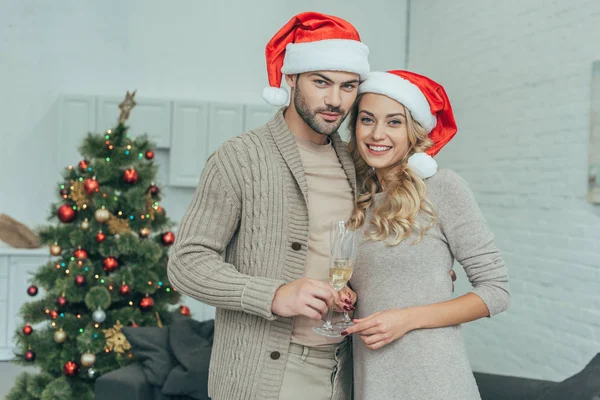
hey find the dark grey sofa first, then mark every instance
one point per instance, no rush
(142, 380)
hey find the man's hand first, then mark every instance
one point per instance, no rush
(306, 297)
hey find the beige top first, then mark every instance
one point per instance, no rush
(244, 234)
(330, 198)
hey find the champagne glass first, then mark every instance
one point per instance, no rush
(341, 263)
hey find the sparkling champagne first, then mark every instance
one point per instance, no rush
(340, 273)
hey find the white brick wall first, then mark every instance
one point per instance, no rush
(518, 74)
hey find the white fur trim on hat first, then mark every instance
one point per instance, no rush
(275, 96)
(403, 91)
(327, 55)
(423, 165)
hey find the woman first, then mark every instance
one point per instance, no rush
(416, 222)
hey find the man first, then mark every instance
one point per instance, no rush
(254, 242)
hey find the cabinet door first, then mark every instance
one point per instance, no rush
(152, 117)
(226, 121)
(189, 144)
(255, 116)
(19, 270)
(77, 117)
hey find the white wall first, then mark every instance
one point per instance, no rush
(518, 75)
(206, 50)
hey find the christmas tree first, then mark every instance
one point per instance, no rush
(108, 268)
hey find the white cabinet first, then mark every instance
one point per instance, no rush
(16, 267)
(188, 132)
(150, 116)
(255, 116)
(226, 121)
(77, 117)
(189, 143)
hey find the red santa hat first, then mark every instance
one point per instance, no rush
(312, 41)
(428, 104)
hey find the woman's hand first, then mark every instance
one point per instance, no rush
(347, 299)
(383, 327)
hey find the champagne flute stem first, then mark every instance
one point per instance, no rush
(329, 315)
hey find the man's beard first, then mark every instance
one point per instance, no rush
(310, 117)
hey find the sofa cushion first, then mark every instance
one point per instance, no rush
(584, 385)
(150, 346)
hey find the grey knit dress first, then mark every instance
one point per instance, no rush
(427, 364)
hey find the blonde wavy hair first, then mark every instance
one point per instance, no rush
(396, 218)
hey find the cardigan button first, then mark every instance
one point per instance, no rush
(296, 246)
(275, 355)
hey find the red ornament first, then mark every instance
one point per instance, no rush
(160, 210)
(29, 355)
(153, 189)
(27, 330)
(66, 213)
(32, 290)
(149, 155)
(100, 237)
(54, 314)
(124, 290)
(64, 193)
(130, 176)
(147, 304)
(80, 280)
(62, 301)
(84, 164)
(168, 238)
(80, 253)
(71, 368)
(184, 310)
(134, 325)
(91, 186)
(110, 264)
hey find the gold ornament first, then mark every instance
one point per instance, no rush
(116, 340)
(60, 336)
(102, 215)
(88, 359)
(55, 249)
(150, 206)
(117, 225)
(78, 194)
(126, 106)
(85, 224)
(145, 232)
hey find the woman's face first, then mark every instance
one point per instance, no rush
(381, 131)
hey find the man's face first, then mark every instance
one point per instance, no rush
(323, 98)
